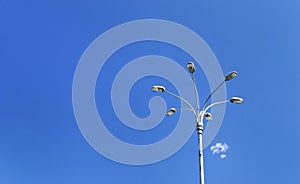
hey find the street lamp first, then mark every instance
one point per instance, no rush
(171, 112)
(208, 116)
(158, 88)
(200, 114)
(191, 67)
(231, 75)
(236, 100)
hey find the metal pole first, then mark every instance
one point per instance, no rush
(201, 165)
(200, 143)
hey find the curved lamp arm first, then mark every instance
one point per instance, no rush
(216, 103)
(196, 93)
(184, 100)
(201, 115)
(228, 77)
(213, 92)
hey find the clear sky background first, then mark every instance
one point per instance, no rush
(41, 43)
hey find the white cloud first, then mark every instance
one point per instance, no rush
(223, 156)
(220, 148)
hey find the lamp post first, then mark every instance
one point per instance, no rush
(200, 114)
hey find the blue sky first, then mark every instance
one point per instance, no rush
(41, 43)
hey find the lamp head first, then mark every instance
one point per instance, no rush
(158, 88)
(208, 116)
(236, 100)
(231, 75)
(191, 67)
(171, 112)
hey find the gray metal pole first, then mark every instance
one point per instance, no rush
(200, 143)
(201, 165)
